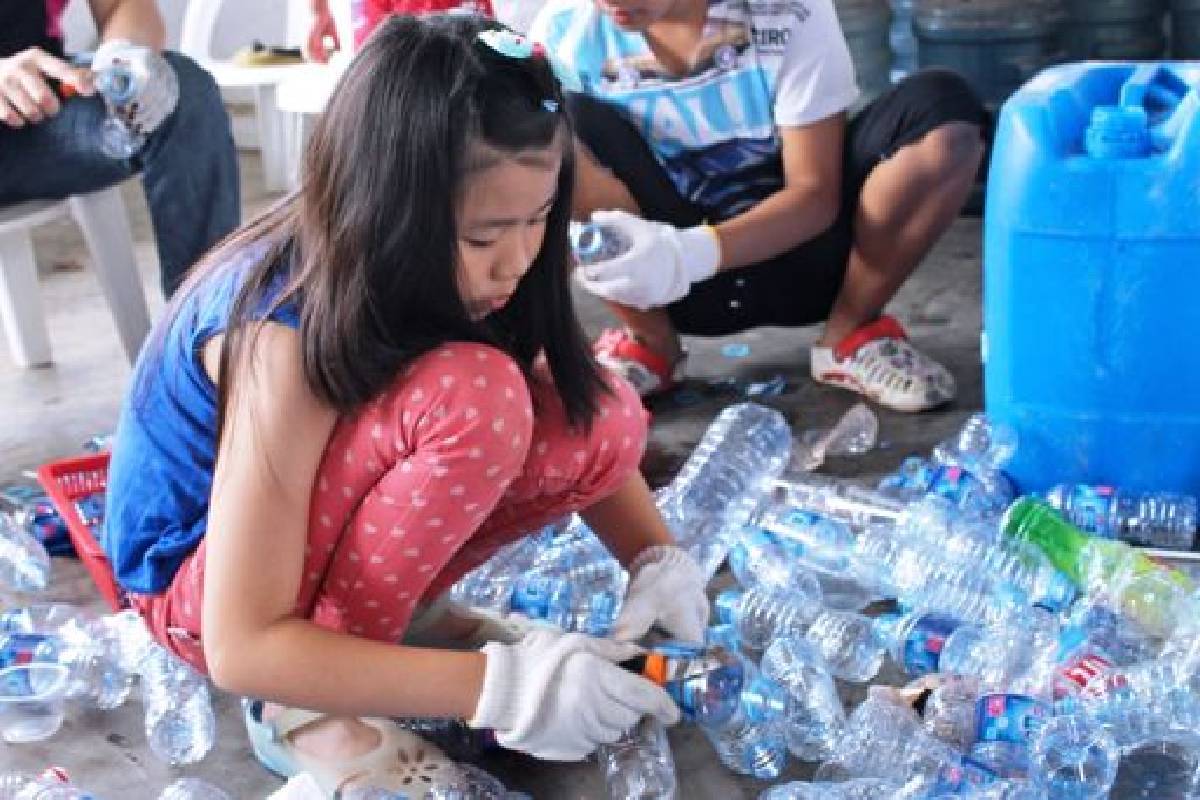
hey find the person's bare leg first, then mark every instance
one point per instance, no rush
(333, 737)
(906, 205)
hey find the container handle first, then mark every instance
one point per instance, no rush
(1168, 100)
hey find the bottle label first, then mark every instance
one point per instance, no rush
(1007, 718)
(953, 483)
(1090, 506)
(1078, 672)
(20, 648)
(962, 776)
(923, 647)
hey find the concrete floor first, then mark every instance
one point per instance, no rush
(48, 413)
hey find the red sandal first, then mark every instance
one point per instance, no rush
(648, 372)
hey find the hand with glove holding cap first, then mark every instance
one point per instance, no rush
(660, 265)
(558, 696)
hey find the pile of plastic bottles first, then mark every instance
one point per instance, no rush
(1049, 657)
(55, 784)
(1046, 659)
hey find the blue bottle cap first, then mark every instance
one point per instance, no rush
(726, 604)
(1118, 132)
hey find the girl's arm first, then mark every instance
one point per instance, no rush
(627, 521)
(255, 644)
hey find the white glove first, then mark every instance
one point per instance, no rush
(667, 588)
(660, 265)
(158, 93)
(558, 696)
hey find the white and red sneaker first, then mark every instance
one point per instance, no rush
(878, 361)
(648, 372)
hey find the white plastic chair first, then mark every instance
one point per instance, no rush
(195, 41)
(102, 217)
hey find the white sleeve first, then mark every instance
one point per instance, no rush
(816, 77)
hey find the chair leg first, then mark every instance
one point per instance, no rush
(102, 217)
(21, 301)
(272, 138)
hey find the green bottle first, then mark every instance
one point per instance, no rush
(1084, 559)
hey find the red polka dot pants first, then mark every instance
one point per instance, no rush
(459, 457)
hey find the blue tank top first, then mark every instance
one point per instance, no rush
(160, 476)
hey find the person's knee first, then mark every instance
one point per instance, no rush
(953, 149)
(469, 397)
(200, 107)
(618, 434)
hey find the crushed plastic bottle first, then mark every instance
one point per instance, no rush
(811, 711)
(24, 562)
(140, 90)
(193, 789)
(639, 765)
(853, 434)
(1074, 758)
(179, 720)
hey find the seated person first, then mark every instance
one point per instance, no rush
(50, 146)
(717, 132)
(366, 15)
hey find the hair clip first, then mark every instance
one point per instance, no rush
(507, 43)
(515, 45)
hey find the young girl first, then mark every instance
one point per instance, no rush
(717, 130)
(362, 395)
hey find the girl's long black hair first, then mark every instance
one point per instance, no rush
(368, 247)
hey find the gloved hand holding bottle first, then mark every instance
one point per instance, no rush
(140, 89)
(559, 696)
(659, 266)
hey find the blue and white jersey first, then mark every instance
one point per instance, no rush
(761, 65)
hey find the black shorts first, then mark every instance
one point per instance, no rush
(799, 286)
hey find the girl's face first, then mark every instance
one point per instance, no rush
(501, 224)
(636, 15)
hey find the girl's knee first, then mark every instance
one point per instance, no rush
(618, 434)
(462, 394)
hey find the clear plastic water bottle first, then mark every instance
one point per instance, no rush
(923, 577)
(474, 783)
(140, 90)
(560, 603)
(757, 749)
(52, 784)
(762, 614)
(813, 715)
(594, 243)
(1074, 758)
(819, 542)
(1152, 519)
(193, 789)
(915, 641)
(24, 562)
(854, 505)
(916, 478)
(949, 712)
(639, 765)
(705, 682)
(981, 446)
(874, 742)
(858, 789)
(744, 448)
(903, 40)
(760, 559)
(93, 672)
(1006, 721)
(849, 643)
(179, 719)
(38, 617)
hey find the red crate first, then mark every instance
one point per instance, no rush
(72, 479)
